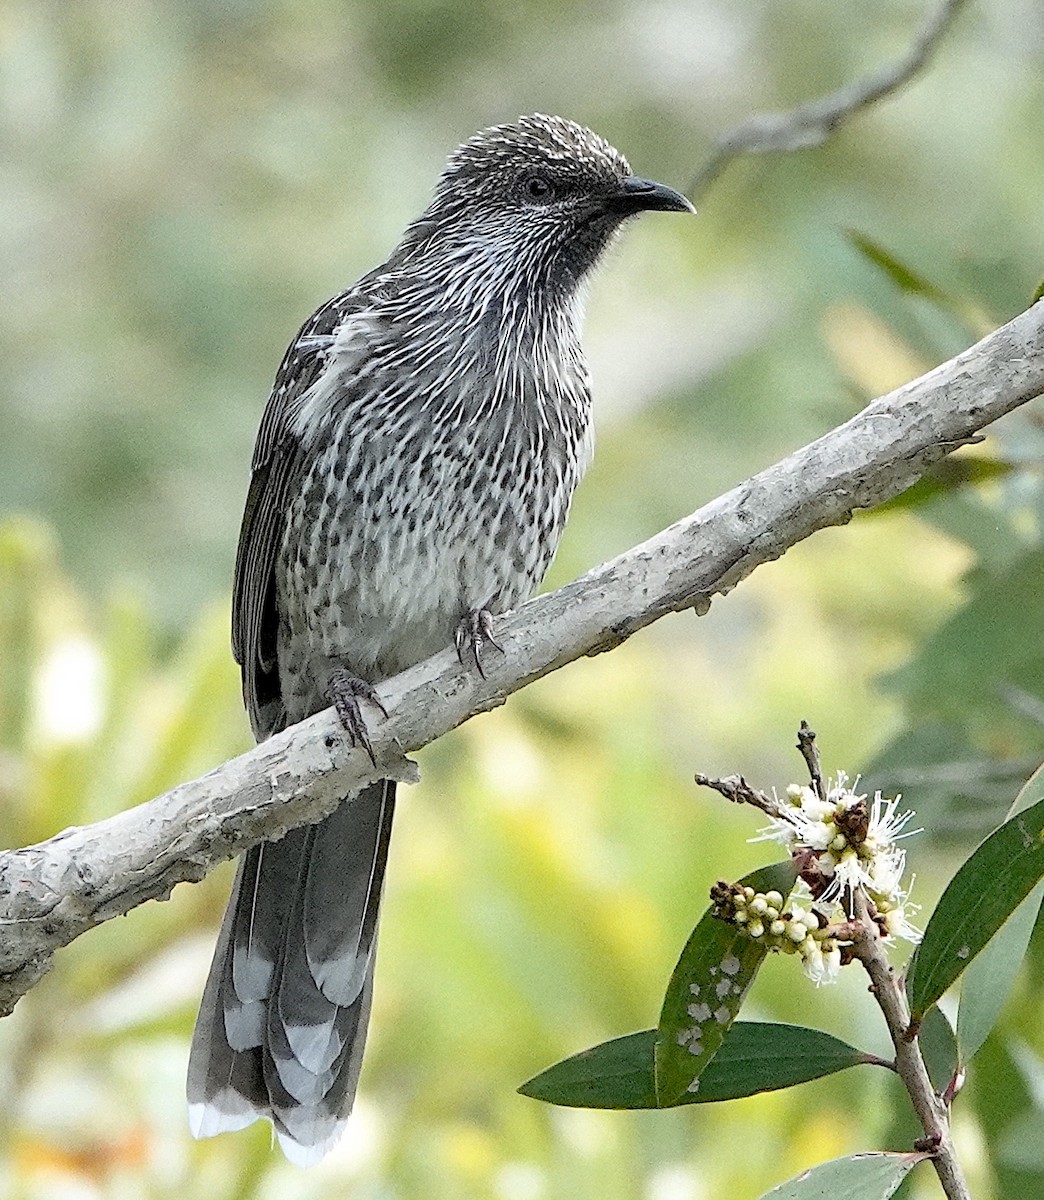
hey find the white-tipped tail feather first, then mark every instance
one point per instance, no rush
(270, 1042)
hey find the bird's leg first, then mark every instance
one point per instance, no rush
(346, 690)
(474, 631)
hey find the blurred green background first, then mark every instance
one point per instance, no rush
(182, 183)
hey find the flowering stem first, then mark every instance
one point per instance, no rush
(932, 1111)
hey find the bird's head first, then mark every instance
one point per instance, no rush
(542, 196)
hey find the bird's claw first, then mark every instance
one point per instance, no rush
(346, 690)
(475, 631)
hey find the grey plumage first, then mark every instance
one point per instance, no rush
(415, 464)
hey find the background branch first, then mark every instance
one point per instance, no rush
(811, 123)
(52, 892)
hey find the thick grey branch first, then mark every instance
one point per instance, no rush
(53, 892)
(811, 123)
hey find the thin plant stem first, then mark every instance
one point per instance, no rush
(932, 1111)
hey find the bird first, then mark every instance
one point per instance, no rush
(411, 477)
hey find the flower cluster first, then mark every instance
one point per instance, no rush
(847, 844)
(841, 844)
(793, 930)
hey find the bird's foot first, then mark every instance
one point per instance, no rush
(475, 631)
(346, 690)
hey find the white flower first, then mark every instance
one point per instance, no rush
(798, 826)
(821, 959)
(850, 871)
(898, 925)
(854, 844)
(894, 909)
(885, 871)
(887, 825)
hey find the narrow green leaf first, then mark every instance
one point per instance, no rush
(1007, 1074)
(904, 277)
(907, 280)
(616, 1074)
(987, 983)
(756, 1057)
(1022, 1147)
(982, 895)
(938, 1047)
(714, 973)
(1031, 792)
(858, 1177)
(1038, 294)
(943, 478)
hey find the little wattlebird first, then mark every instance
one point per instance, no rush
(412, 474)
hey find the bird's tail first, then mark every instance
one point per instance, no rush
(282, 1023)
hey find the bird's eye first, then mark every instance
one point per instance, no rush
(538, 189)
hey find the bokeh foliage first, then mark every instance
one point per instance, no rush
(183, 183)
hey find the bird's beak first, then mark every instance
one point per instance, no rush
(642, 195)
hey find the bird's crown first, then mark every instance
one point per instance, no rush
(536, 141)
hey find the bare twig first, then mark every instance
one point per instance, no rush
(931, 1109)
(810, 753)
(811, 123)
(52, 892)
(736, 789)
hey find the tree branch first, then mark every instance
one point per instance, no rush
(812, 123)
(53, 892)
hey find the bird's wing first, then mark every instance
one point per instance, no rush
(276, 466)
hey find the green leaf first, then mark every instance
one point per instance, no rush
(938, 1047)
(904, 277)
(982, 895)
(858, 1177)
(1031, 792)
(987, 983)
(989, 980)
(755, 1057)
(943, 478)
(1005, 1095)
(1038, 294)
(907, 280)
(714, 973)
(616, 1074)
(1022, 1146)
